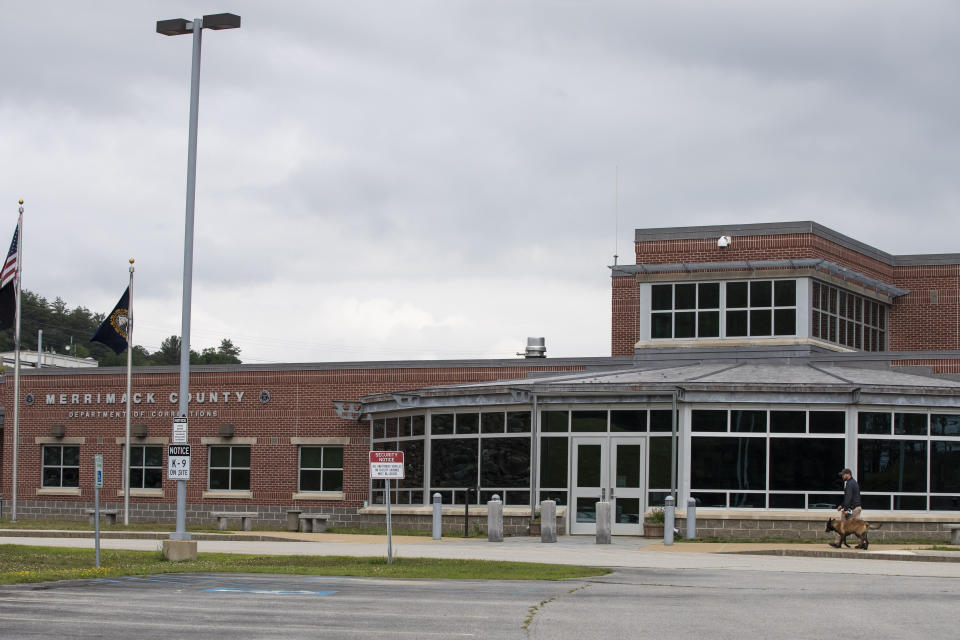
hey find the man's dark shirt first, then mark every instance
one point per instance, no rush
(851, 494)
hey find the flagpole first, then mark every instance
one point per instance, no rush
(126, 449)
(16, 364)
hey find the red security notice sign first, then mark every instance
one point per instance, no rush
(386, 465)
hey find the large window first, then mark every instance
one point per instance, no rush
(229, 468)
(688, 310)
(321, 468)
(850, 320)
(762, 308)
(61, 466)
(146, 467)
(731, 309)
(756, 458)
(467, 450)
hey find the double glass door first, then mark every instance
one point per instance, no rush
(609, 469)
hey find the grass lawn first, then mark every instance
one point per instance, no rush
(21, 563)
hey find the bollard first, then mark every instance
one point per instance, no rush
(668, 521)
(603, 523)
(495, 520)
(691, 518)
(437, 517)
(548, 521)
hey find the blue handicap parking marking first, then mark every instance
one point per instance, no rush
(268, 592)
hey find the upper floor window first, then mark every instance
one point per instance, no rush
(844, 318)
(687, 310)
(731, 309)
(762, 308)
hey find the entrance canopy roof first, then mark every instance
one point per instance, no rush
(701, 382)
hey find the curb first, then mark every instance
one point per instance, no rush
(848, 555)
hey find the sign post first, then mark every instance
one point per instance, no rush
(387, 465)
(97, 485)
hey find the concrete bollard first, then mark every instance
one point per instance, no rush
(603, 523)
(495, 520)
(437, 517)
(691, 518)
(548, 521)
(668, 521)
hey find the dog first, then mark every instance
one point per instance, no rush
(857, 528)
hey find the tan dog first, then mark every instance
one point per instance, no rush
(857, 528)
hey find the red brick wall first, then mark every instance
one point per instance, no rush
(795, 245)
(917, 323)
(624, 306)
(936, 365)
(301, 405)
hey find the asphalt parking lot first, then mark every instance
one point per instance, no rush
(630, 603)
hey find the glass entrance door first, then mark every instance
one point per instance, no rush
(627, 485)
(588, 466)
(610, 469)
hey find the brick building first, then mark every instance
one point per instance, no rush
(749, 364)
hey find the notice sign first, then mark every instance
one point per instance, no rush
(178, 462)
(180, 430)
(386, 465)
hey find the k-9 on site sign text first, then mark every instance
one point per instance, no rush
(386, 465)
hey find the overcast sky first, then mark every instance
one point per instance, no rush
(401, 180)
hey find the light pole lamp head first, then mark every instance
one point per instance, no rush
(217, 21)
(182, 26)
(174, 27)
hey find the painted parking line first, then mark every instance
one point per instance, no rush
(269, 592)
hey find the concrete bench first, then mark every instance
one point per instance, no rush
(954, 530)
(315, 522)
(109, 516)
(246, 518)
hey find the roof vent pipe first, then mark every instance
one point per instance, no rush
(536, 348)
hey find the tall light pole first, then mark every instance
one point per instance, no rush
(176, 27)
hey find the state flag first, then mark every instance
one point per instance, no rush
(113, 331)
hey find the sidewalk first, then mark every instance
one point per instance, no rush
(888, 559)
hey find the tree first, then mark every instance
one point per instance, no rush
(226, 353)
(62, 327)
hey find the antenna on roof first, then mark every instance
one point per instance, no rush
(616, 217)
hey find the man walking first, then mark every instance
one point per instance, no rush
(851, 507)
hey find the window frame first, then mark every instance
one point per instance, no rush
(143, 466)
(60, 467)
(848, 319)
(230, 468)
(657, 316)
(323, 469)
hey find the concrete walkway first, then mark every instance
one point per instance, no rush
(885, 559)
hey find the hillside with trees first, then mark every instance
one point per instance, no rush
(60, 324)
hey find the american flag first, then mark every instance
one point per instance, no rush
(10, 264)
